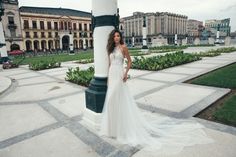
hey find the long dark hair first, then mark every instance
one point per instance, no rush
(111, 43)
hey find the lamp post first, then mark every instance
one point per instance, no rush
(84, 35)
(3, 48)
(218, 34)
(133, 39)
(144, 48)
(186, 38)
(71, 47)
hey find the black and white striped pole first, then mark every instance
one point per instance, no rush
(71, 46)
(3, 48)
(145, 47)
(133, 39)
(218, 34)
(176, 39)
(105, 17)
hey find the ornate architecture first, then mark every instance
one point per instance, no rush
(12, 25)
(160, 23)
(45, 29)
(223, 26)
(194, 29)
(51, 28)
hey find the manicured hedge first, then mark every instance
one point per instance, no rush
(216, 52)
(162, 62)
(44, 64)
(80, 77)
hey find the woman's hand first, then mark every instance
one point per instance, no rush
(125, 77)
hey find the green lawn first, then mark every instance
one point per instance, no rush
(227, 114)
(65, 57)
(225, 78)
(59, 57)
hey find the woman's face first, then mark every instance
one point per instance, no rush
(117, 38)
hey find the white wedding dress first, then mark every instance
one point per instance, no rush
(124, 121)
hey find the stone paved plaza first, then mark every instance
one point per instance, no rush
(41, 113)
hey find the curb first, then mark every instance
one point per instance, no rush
(5, 80)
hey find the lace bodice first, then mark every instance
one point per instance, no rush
(116, 57)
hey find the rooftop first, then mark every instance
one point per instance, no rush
(54, 11)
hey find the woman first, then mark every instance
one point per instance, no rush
(123, 120)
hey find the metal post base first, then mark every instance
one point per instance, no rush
(144, 47)
(95, 94)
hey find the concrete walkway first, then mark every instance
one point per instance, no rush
(41, 113)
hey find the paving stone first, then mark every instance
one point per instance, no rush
(183, 70)
(35, 80)
(71, 105)
(40, 92)
(5, 83)
(135, 73)
(16, 71)
(224, 145)
(25, 75)
(201, 65)
(176, 98)
(56, 143)
(159, 76)
(19, 119)
(139, 86)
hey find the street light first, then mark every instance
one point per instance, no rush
(132, 39)
(71, 47)
(84, 35)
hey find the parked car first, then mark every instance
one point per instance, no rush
(16, 52)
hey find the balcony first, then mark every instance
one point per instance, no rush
(12, 26)
(28, 36)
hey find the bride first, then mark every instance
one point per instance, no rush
(123, 121)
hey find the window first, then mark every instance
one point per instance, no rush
(34, 24)
(56, 34)
(27, 34)
(75, 35)
(74, 26)
(50, 34)
(85, 27)
(80, 35)
(80, 27)
(42, 35)
(11, 20)
(49, 25)
(35, 35)
(13, 33)
(55, 25)
(42, 25)
(90, 27)
(65, 23)
(69, 26)
(91, 35)
(26, 24)
(61, 25)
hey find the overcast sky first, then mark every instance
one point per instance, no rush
(194, 9)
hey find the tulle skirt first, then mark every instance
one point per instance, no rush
(124, 121)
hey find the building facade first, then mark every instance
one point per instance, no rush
(45, 29)
(194, 30)
(160, 23)
(223, 25)
(194, 27)
(12, 25)
(51, 28)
